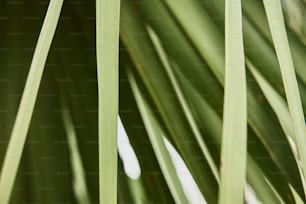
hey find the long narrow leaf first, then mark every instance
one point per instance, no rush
(182, 100)
(79, 182)
(276, 102)
(279, 36)
(256, 13)
(233, 152)
(131, 119)
(162, 154)
(26, 108)
(107, 26)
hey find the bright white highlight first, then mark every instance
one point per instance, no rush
(127, 154)
(190, 187)
(192, 191)
(250, 195)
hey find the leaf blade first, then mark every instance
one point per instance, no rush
(183, 102)
(26, 107)
(158, 145)
(234, 136)
(279, 36)
(107, 45)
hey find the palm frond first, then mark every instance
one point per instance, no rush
(234, 135)
(277, 26)
(183, 85)
(26, 108)
(107, 14)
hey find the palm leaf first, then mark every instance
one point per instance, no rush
(107, 62)
(277, 26)
(178, 58)
(234, 136)
(24, 115)
(159, 146)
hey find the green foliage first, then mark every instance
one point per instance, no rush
(223, 81)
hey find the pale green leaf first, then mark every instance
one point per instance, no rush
(107, 45)
(26, 108)
(234, 136)
(279, 35)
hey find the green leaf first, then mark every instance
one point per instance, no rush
(279, 35)
(277, 103)
(107, 45)
(156, 138)
(255, 11)
(234, 136)
(209, 45)
(153, 76)
(151, 176)
(79, 179)
(258, 169)
(24, 115)
(183, 103)
(260, 116)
